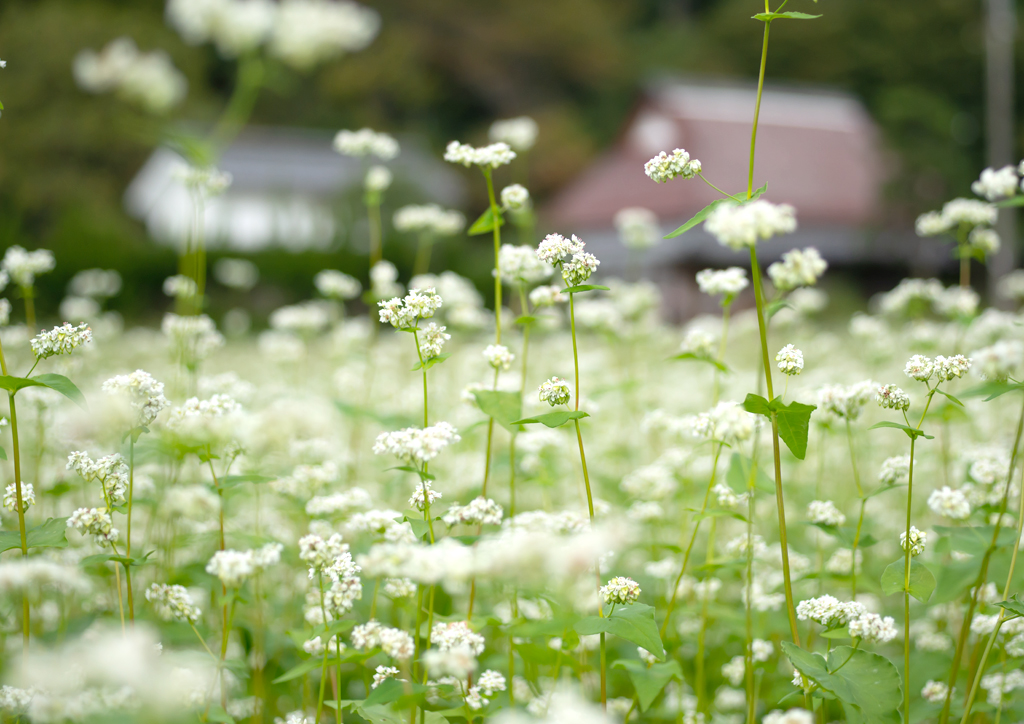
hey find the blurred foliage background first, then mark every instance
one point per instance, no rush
(445, 69)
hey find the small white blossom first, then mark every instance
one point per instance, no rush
(665, 167)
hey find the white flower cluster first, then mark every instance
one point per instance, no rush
(985, 240)
(825, 512)
(378, 179)
(95, 522)
(872, 627)
(515, 197)
(205, 180)
(111, 471)
(144, 393)
(334, 284)
(316, 647)
(999, 361)
(547, 296)
(798, 268)
(846, 401)
(234, 567)
(498, 356)
(23, 266)
(28, 496)
(432, 339)
(394, 642)
(383, 673)
(64, 339)
(343, 502)
(520, 133)
(620, 590)
(638, 227)
(829, 611)
(414, 444)
(405, 313)
(743, 225)
(173, 603)
(423, 495)
(489, 157)
(193, 338)
(489, 683)
(520, 265)
(995, 184)
(894, 470)
(555, 249)
(384, 280)
(555, 391)
(726, 282)
(791, 360)
(998, 685)
(916, 544)
(667, 166)
(428, 219)
(457, 635)
(949, 503)
(366, 142)
(934, 692)
(726, 422)
(321, 553)
(893, 398)
(956, 214)
(148, 80)
(479, 511)
(180, 286)
(922, 368)
(792, 716)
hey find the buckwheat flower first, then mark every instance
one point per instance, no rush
(739, 226)
(5, 312)
(734, 670)
(294, 717)
(320, 553)
(428, 219)
(995, 184)
(727, 422)
(173, 603)
(60, 340)
(378, 179)
(844, 563)
(334, 284)
(383, 280)
(791, 360)
(798, 268)
(638, 228)
(1011, 286)
(793, 716)
(479, 511)
(515, 197)
(1003, 359)
(520, 133)
(231, 567)
(555, 248)
(28, 496)
(740, 545)
(145, 394)
(969, 212)
(919, 368)
(193, 338)
(366, 142)
(918, 539)
(404, 313)
(416, 444)
(931, 223)
(23, 266)
(949, 503)
(697, 342)
(829, 611)
(423, 495)
(664, 167)
(308, 32)
(725, 282)
(1015, 646)
(456, 635)
(985, 240)
(892, 397)
(954, 367)
(316, 647)
(95, 522)
(894, 470)
(15, 701)
(399, 588)
(498, 356)
(492, 156)
(620, 590)
(646, 656)
(579, 269)
(547, 296)
(825, 512)
(555, 391)
(490, 682)
(432, 339)
(383, 673)
(934, 692)
(872, 627)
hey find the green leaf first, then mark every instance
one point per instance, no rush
(701, 358)
(1014, 605)
(866, 683)
(63, 385)
(1012, 201)
(954, 578)
(411, 469)
(420, 527)
(768, 17)
(391, 690)
(51, 534)
(912, 432)
(706, 211)
(794, 422)
(648, 681)
(553, 419)
(843, 632)
(13, 384)
(504, 407)
(757, 405)
(634, 623)
(584, 288)
(230, 481)
(715, 513)
(526, 319)
(950, 397)
(973, 539)
(994, 389)
(777, 306)
(427, 364)
(922, 582)
(485, 223)
(218, 714)
(108, 557)
(391, 421)
(3, 454)
(296, 671)
(738, 476)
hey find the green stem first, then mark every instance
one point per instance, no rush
(860, 519)
(906, 590)
(23, 535)
(376, 241)
(243, 99)
(757, 106)
(424, 245)
(128, 542)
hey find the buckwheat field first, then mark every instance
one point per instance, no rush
(399, 504)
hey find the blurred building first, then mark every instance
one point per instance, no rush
(818, 149)
(286, 188)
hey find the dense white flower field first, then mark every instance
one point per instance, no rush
(397, 505)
